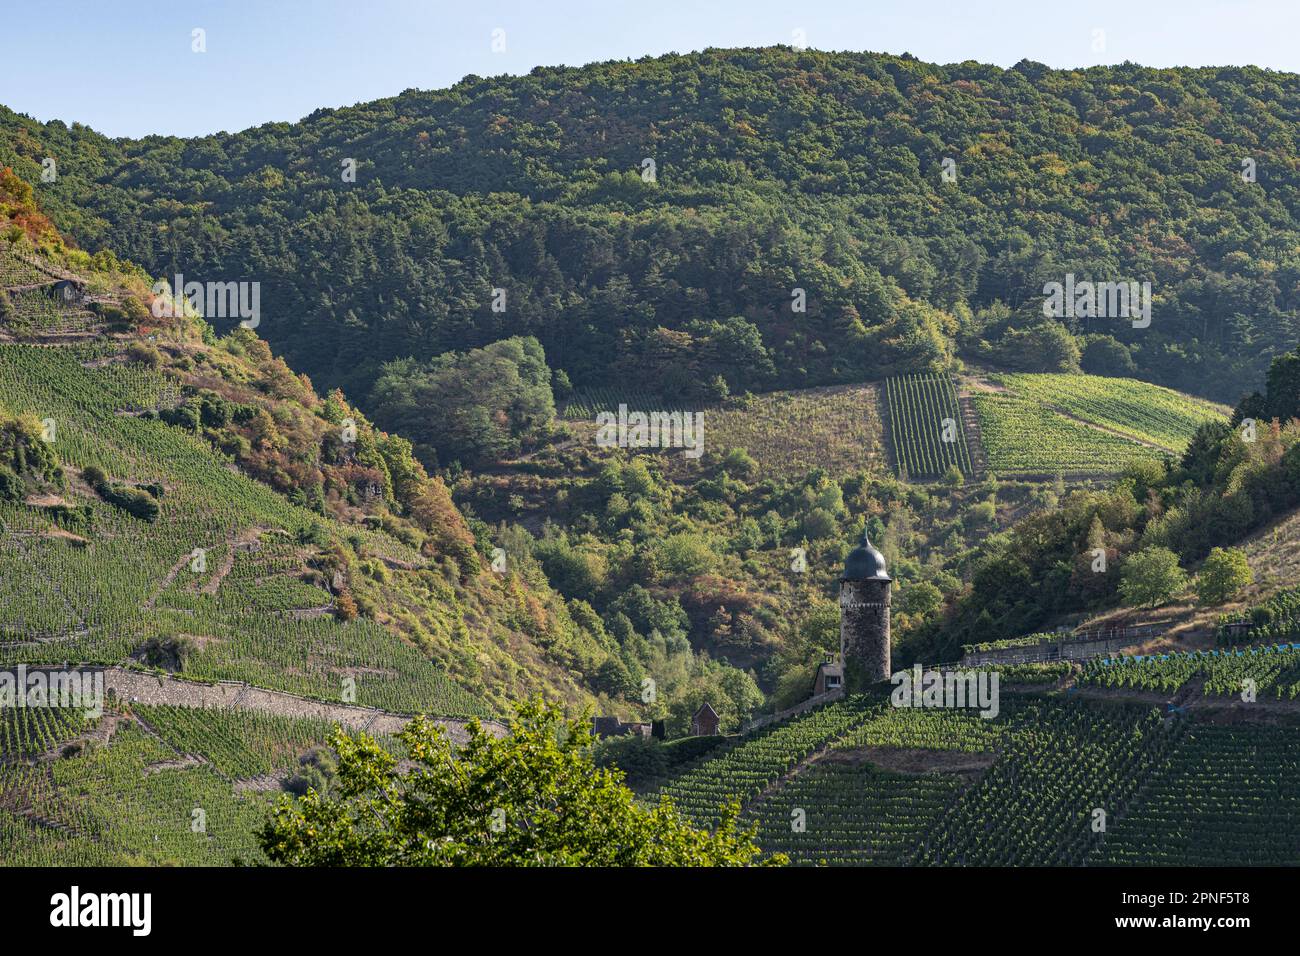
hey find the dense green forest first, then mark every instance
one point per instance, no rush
(650, 222)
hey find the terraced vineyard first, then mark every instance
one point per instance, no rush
(1277, 619)
(852, 813)
(128, 803)
(844, 810)
(18, 271)
(133, 799)
(925, 425)
(857, 782)
(590, 402)
(1226, 796)
(29, 731)
(238, 743)
(743, 771)
(79, 595)
(903, 786)
(1275, 670)
(947, 730)
(1023, 437)
(1036, 805)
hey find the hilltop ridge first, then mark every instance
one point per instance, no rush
(921, 208)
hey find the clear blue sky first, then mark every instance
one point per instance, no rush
(125, 67)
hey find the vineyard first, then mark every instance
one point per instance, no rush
(855, 813)
(170, 785)
(1049, 781)
(1036, 805)
(237, 743)
(79, 596)
(29, 731)
(742, 772)
(1044, 424)
(226, 579)
(1139, 410)
(1277, 619)
(17, 271)
(925, 425)
(1274, 670)
(1025, 438)
(587, 404)
(1226, 796)
(857, 782)
(1028, 640)
(131, 802)
(852, 814)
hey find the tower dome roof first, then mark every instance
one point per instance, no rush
(865, 563)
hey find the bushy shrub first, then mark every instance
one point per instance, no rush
(11, 486)
(142, 353)
(134, 501)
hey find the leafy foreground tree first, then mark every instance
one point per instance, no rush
(532, 798)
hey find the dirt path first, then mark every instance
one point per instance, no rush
(227, 565)
(166, 581)
(1113, 431)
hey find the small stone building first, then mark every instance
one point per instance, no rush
(706, 722)
(830, 676)
(68, 291)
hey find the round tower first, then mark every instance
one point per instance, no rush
(864, 617)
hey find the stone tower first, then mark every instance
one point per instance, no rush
(864, 617)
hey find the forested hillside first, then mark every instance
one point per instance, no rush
(650, 222)
(181, 501)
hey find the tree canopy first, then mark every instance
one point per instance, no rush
(531, 798)
(807, 217)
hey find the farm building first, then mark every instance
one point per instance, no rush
(706, 722)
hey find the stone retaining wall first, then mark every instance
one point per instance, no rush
(144, 688)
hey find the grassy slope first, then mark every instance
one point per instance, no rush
(788, 433)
